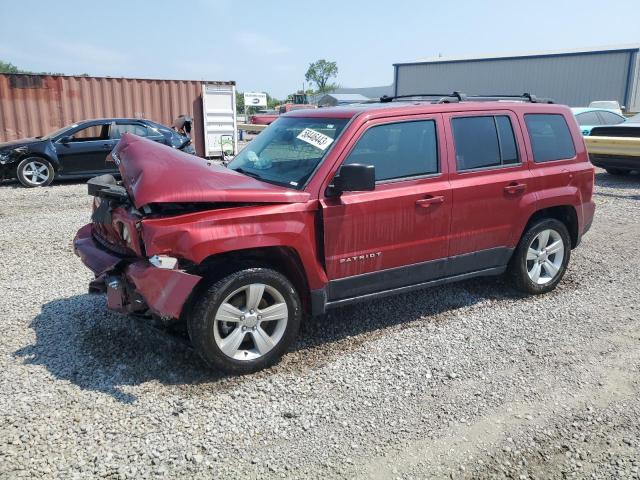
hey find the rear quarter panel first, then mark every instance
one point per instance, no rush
(567, 181)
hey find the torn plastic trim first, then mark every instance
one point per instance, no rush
(182, 208)
(164, 291)
(133, 285)
(106, 186)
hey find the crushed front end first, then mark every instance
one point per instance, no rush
(112, 248)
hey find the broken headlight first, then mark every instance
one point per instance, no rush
(163, 261)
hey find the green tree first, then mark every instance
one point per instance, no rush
(319, 72)
(272, 102)
(8, 67)
(239, 102)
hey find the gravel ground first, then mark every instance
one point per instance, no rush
(466, 381)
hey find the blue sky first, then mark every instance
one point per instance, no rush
(268, 45)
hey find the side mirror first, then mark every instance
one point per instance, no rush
(354, 178)
(65, 140)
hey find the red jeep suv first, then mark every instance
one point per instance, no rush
(333, 206)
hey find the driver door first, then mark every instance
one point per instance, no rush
(396, 235)
(84, 150)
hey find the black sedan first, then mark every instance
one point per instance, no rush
(77, 151)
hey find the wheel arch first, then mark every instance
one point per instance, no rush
(566, 214)
(53, 161)
(282, 259)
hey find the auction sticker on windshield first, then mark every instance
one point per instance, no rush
(317, 139)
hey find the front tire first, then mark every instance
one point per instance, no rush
(541, 258)
(35, 172)
(246, 321)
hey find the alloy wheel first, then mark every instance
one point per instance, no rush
(36, 173)
(250, 321)
(544, 256)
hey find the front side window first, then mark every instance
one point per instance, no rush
(550, 137)
(88, 134)
(289, 150)
(398, 150)
(484, 141)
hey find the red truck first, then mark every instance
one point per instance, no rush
(333, 206)
(269, 116)
(264, 117)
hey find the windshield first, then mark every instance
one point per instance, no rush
(59, 131)
(289, 150)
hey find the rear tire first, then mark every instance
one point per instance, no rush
(35, 172)
(541, 258)
(618, 171)
(246, 321)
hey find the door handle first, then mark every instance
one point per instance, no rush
(427, 202)
(514, 188)
(107, 146)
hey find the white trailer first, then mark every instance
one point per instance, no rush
(219, 119)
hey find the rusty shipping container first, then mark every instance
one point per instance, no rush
(32, 105)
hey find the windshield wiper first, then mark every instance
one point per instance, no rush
(247, 173)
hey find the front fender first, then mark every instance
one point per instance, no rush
(197, 236)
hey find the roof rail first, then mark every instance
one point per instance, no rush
(525, 97)
(461, 97)
(442, 97)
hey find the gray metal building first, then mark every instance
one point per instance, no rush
(572, 77)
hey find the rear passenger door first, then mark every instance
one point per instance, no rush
(396, 235)
(491, 188)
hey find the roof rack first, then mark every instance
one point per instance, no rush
(461, 97)
(442, 97)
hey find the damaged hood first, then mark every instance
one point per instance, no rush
(155, 173)
(23, 142)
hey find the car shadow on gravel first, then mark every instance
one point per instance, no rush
(343, 329)
(78, 340)
(604, 179)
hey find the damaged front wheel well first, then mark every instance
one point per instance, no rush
(282, 259)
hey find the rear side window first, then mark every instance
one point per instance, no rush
(398, 150)
(117, 129)
(550, 137)
(483, 142)
(610, 118)
(588, 118)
